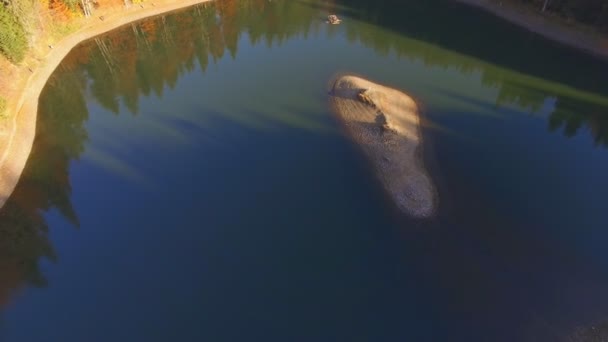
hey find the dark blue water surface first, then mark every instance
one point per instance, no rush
(189, 183)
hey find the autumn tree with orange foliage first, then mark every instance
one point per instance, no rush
(60, 10)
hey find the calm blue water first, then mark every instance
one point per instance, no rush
(189, 183)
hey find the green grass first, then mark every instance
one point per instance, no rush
(2, 106)
(13, 38)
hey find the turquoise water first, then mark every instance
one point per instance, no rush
(188, 182)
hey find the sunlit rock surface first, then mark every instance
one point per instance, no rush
(385, 123)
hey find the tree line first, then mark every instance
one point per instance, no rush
(590, 12)
(22, 21)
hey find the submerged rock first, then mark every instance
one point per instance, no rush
(594, 333)
(333, 19)
(385, 123)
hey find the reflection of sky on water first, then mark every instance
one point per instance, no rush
(222, 153)
(230, 89)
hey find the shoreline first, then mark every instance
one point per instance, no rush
(576, 38)
(16, 141)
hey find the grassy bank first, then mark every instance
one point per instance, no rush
(30, 28)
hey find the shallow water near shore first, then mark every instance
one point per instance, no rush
(189, 182)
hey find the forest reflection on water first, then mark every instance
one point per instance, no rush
(146, 59)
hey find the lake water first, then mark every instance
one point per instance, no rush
(189, 183)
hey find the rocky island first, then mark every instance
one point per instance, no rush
(385, 123)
